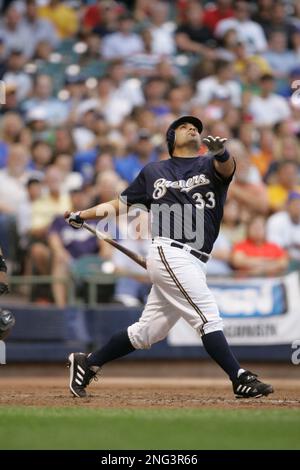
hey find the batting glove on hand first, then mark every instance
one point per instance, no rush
(74, 219)
(215, 144)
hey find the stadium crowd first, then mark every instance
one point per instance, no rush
(90, 88)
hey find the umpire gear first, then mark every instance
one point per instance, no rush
(7, 321)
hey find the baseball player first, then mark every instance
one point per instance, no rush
(7, 319)
(177, 258)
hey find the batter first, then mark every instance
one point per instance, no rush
(195, 189)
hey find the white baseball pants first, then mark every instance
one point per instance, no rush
(179, 290)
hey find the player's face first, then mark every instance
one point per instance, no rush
(187, 134)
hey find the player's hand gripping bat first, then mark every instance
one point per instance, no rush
(77, 222)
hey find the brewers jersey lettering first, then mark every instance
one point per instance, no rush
(194, 185)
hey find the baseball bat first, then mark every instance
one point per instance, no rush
(102, 236)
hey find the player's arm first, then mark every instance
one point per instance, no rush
(136, 193)
(223, 162)
(107, 209)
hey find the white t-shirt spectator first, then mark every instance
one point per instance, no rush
(270, 110)
(21, 80)
(119, 45)
(12, 191)
(281, 230)
(19, 38)
(209, 87)
(249, 32)
(131, 91)
(163, 39)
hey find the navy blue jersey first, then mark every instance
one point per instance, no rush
(186, 197)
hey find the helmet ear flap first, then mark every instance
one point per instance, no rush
(171, 140)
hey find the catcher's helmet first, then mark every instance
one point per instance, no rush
(170, 136)
(7, 321)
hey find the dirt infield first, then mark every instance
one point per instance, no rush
(142, 393)
(159, 384)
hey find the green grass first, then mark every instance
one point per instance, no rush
(83, 428)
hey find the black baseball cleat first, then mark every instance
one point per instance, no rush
(248, 386)
(80, 374)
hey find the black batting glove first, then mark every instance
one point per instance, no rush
(74, 219)
(216, 145)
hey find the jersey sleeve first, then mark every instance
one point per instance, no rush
(136, 192)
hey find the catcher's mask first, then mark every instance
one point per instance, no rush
(170, 136)
(7, 321)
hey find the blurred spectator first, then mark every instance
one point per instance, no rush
(108, 185)
(113, 107)
(281, 60)
(2, 57)
(231, 232)
(249, 32)
(263, 13)
(247, 188)
(283, 228)
(71, 180)
(177, 101)
(143, 64)
(104, 161)
(287, 180)
(263, 156)
(15, 32)
(55, 111)
(221, 83)
(217, 11)
(12, 194)
(40, 29)
(53, 202)
(12, 179)
(63, 17)
(268, 108)
(34, 188)
(10, 131)
(102, 16)
(129, 166)
(232, 227)
(192, 36)
(218, 265)
(161, 29)
(278, 19)
(126, 88)
(96, 14)
(15, 74)
(68, 245)
(122, 43)
(84, 133)
(41, 154)
(155, 90)
(255, 256)
(63, 141)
